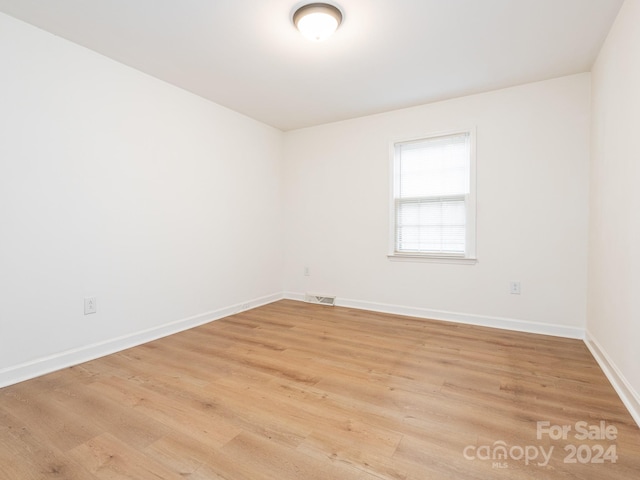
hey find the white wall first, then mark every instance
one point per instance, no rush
(533, 160)
(163, 205)
(614, 255)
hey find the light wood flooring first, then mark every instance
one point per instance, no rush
(295, 391)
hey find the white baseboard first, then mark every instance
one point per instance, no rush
(626, 392)
(469, 319)
(52, 363)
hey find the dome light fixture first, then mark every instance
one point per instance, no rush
(317, 21)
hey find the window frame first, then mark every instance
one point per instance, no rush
(470, 254)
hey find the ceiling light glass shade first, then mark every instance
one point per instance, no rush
(317, 21)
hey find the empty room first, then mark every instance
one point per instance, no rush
(282, 240)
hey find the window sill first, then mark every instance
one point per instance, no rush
(403, 257)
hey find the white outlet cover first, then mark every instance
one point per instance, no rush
(90, 305)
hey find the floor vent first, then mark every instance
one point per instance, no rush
(320, 299)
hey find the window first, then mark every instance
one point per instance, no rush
(434, 197)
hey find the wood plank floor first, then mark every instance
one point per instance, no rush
(296, 391)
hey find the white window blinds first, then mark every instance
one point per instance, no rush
(431, 195)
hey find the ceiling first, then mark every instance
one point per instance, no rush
(387, 54)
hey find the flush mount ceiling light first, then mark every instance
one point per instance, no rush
(317, 21)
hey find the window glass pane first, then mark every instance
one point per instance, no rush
(431, 226)
(437, 166)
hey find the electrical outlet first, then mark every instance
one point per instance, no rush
(514, 288)
(307, 272)
(90, 305)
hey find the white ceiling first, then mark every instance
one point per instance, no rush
(388, 54)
